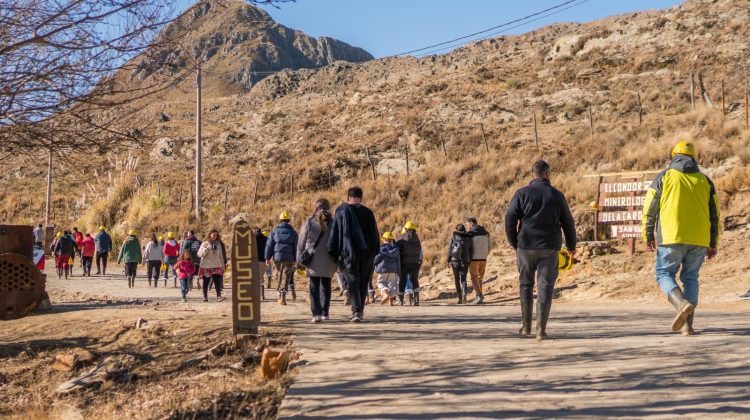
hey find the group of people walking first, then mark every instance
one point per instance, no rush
(187, 260)
(680, 223)
(67, 246)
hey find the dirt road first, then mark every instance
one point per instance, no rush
(440, 361)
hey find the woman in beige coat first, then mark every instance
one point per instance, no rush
(213, 260)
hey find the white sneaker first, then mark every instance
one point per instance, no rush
(325, 317)
(316, 319)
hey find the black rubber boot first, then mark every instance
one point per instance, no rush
(411, 299)
(401, 299)
(416, 298)
(294, 292)
(262, 292)
(463, 291)
(542, 315)
(527, 312)
(687, 329)
(683, 307)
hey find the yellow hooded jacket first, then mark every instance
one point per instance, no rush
(681, 206)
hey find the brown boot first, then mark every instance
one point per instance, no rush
(282, 298)
(687, 329)
(684, 308)
(527, 312)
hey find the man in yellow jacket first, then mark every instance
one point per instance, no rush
(681, 222)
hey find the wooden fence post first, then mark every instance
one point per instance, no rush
(406, 150)
(591, 122)
(179, 200)
(692, 91)
(484, 138)
(704, 92)
(226, 197)
(330, 176)
(255, 192)
(596, 213)
(372, 164)
(442, 142)
(747, 110)
(536, 133)
(192, 199)
(291, 185)
(723, 106)
(640, 109)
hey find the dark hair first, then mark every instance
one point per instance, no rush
(190, 232)
(355, 192)
(88, 235)
(460, 228)
(66, 232)
(154, 239)
(471, 220)
(540, 168)
(218, 235)
(322, 213)
(75, 228)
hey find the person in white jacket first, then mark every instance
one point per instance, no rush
(153, 253)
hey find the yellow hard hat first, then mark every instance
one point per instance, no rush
(102, 227)
(410, 226)
(170, 235)
(132, 232)
(565, 261)
(59, 235)
(388, 236)
(161, 238)
(266, 233)
(684, 148)
(285, 216)
(403, 230)
(301, 272)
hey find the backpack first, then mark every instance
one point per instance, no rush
(456, 251)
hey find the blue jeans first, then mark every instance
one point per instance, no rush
(669, 258)
(185, 286)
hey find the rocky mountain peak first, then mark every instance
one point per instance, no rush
(238, 44)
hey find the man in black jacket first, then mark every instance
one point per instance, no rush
(532, 224)
(353, 244)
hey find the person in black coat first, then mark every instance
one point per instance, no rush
(410, 249)
(533, 224)
(353, 243)
(460, 250)
(260, 243)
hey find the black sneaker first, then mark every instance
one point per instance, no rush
(356, 318)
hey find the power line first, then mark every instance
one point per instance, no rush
(429, 47)
(490, 35)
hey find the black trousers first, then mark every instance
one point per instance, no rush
(218, 282)
(87, 264)
(460, 272)
(153, 268)
(411, 273)
(101, 262)
(320, 295)
(358, 279)
(537, 266)
(130, 268)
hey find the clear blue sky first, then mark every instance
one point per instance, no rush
(386, 27)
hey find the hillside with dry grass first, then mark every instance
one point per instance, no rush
(301, 134)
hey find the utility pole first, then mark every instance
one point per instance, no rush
(198, 147)
(48, 208)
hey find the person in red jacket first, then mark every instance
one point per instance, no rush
(78, 238)
(171, 252)
(87, 250)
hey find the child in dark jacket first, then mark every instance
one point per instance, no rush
(185, 270)
(388, 267)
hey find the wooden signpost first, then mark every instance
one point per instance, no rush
(246, 280)
(620, 203)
